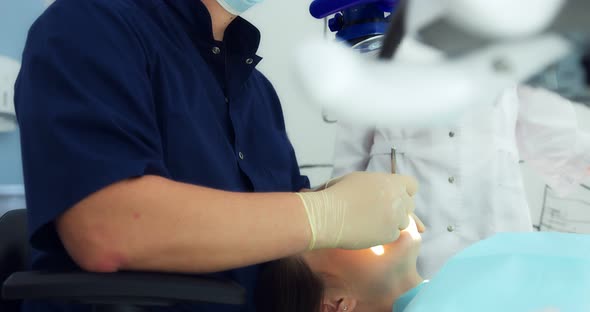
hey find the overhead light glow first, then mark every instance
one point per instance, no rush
(378, 250)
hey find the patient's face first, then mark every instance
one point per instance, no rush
(363, 269)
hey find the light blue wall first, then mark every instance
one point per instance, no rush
(16, 16)
(10, 162)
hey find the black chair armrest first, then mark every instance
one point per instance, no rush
(124, 288)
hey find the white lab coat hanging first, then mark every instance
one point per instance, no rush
(470, 182)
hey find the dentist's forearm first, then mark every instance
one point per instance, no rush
(155, 224)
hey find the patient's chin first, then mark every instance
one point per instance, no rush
(410, 236)
(408, 240)
(413, 232)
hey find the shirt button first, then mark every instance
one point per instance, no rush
(241, 155)
(249, 61)
(450, 228)
(451, 180)
(452, 134)
(216, 50)
(226, 100)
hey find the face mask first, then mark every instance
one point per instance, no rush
(237, 7)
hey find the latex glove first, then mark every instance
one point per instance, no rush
(361, 210)
(419, 224)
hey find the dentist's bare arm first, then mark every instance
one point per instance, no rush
(155, 224)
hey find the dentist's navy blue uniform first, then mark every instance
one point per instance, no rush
(115, 89)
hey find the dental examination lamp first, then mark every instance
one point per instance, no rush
(421, 87)
(364, 23)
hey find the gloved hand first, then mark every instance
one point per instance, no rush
(360, 210)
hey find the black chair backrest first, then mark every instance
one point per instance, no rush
(14, 249)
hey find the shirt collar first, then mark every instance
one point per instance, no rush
(240, 37)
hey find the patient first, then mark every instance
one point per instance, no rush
(333, 280)
(507, 272)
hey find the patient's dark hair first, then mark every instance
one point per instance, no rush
(288, 285)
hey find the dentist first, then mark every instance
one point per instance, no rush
(150, 142)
